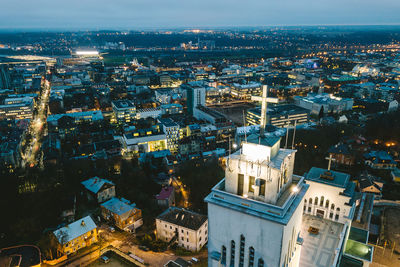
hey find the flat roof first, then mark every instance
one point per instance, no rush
(338, 179)
(266, 141)
(123, 103)
(280, 212)
(28, 255)
(319, 250)
(280, 110)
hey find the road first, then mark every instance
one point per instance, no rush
(36, 129)
(178, 185)
(124, 242)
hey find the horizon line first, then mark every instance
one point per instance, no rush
(156, 28)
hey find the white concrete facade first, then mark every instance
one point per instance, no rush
(189, 239)
(328, 202)
(255, 214)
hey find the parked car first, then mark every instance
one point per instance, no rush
(105, 259)
(144, 248)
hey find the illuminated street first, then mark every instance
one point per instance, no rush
(30, 156)
(251, 133)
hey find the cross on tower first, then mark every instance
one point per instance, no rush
(264, 99)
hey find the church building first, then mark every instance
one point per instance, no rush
(262, 215)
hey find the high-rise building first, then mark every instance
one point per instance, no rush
(255, 213)
(5, 82)
(171, 130)
(261, 214)
(196, 96)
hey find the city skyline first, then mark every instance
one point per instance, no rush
(124, 14)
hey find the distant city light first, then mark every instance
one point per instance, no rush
(87, 53)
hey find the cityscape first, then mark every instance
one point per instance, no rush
(176, 144)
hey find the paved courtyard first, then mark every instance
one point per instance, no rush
(319, 250)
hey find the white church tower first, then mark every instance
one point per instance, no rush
(255, 213)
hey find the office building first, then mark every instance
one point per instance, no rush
(279, 115)
(124, 111)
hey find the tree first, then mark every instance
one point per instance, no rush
(199, 177)
(49, 246)
(321, 113)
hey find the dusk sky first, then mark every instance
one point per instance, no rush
(137, 14)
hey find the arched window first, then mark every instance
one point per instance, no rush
(337, 209)
(232, 263)
(332, 206)
(316, 201)
(251, 257)
(260, 263)
(223, 255)
(321, 203)
(310, 200)
(241, 251)
(327, 203)
(305, 201)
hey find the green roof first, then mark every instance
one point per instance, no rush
(358, 250)
(319, 175)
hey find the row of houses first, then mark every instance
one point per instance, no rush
(117, 211)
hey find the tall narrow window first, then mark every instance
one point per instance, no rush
(321, 203)
(337, 213)
(316, 201)
(327, 203)
(252, 180)
(260, 263)
(310, 200)
(240, 184)
(241, 251)
(232, 263)
(223, 255)
(262, 187)
(251, 257)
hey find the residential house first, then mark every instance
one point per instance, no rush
(395, 175)
(77, 235)
(179, 262)
(341, 154)
(125, 215)
(380, 160)
(166, 197)
(368, 183)
(99, 189)
(187, 228)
